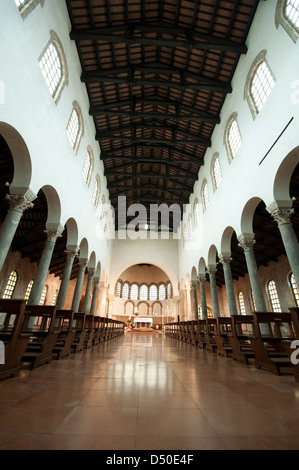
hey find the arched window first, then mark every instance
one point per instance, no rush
(102, 213)
(118, 289)
(169, 290)
(43, 297)
(216, 171)
(125, 292)
(10, 286)
(143, 292)
(196, 212)
(134, 292)
(232, 137)
(26, 6)
(153, 293)
(54, 66)
(205, 194)
(294, 289)
(75, 127)
(162, 292)
(28, 290)
(96, 191)
(259, 84)
(55, 295)
(88, 166)
(287, 14)
(241, 303)
(189, 226)
(273, 296)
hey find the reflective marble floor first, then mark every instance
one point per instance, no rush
(145, 391)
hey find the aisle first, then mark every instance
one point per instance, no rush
(146, 391)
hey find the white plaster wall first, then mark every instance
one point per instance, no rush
(245, 178)
(29, 108)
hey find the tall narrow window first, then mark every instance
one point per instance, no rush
(28, 290)
(55, 295)
(294, 289)
(189, 226)
(125, 292)
(287, 14)
(273, 296)
(169, 290)
(118, 289)
(162, 292)
(233, 140)
(96, 192)
(87, 167)
(259, 84)
(241, 303)
(205, 195)
(153, 294)
(143, 292)
(196, 213)
(53, 66)
(43, 297)
(134, 292)
(10, 286)
(216, 171)
(75, 127)
(26, 6)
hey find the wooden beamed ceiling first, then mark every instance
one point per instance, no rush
(157, 74)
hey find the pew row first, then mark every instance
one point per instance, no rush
(14, 340)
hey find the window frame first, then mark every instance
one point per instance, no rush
(10, 285)
(75, 142)
(281, 18)
(216, 181)
(28, 6)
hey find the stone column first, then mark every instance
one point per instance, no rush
(247, 243)
(17, 205)
(77, 294)
(225, 261)
(282, 216)
(203, 300)
(188, 302)
(88, 290)
(70, 256)
(96, 281)
(176, 301)
(214, 294)
(43, 266)
(110, 305)
(194, 298)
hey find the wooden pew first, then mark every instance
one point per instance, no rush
(79, 327)
(194, 332)
(39, 321)
(97, 326)
(202, 328)
(269, 346)
(223, 330)
(290, 347)
(66, 333)
(242, 330)
(89, 331)
(15, 342)
(210, 335)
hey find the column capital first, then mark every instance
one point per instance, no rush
(52, 235)
(281, 215)
(246, 244)
(20, 203)
(194, 284)
(212, 270)
(91, 272)
(96, 281)
(202, 277)
(225, 260)
(83, 262)
(72, 253)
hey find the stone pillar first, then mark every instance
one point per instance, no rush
(96, 281)
(110, 305)
(176, 301)
(77, 294)
(188, 301)
(282, 216)
(214, 294)
(43, 266)
(194, 298)
(203, 300)
(225, 261)
(247, 243)
(88, 290)
(17, 205)
(70, 256)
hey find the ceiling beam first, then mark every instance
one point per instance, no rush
(113, 154)
(127, 34)
(155, 140)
